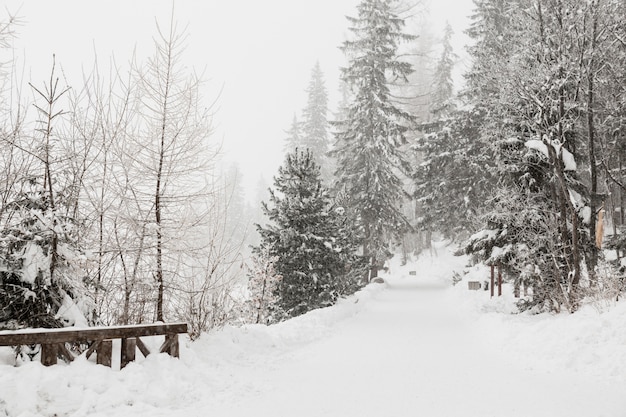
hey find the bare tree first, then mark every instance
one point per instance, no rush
(171, 157)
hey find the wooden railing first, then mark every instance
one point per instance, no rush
(53, 341)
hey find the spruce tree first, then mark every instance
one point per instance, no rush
(309, 236)
(370, 164)
(443, 88)
(533, 77)
(455, 177)
(315, 120)
(293, 140)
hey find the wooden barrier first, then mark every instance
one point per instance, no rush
(53, 341)
(493, 278)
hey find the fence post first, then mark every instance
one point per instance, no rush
(49, 354)
(499, 280)
(492, 280)
(129, 346)
(104, 353)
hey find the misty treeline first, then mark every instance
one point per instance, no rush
(113, 205)
(521, 165)
(113, 208)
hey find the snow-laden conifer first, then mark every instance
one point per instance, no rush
(370, 165)
(315, 120)
(309, 236)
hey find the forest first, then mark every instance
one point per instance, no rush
(113, 208)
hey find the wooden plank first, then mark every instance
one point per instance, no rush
(175, 349)
(51, 336)
(65, 353)
(129, 347)
(104, 352)
(49, 354)
(170, 345)
(142, 347)
(165, 347)
(93, 348)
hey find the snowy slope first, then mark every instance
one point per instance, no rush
(412, 346)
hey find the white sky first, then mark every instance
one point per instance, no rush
(258, 53)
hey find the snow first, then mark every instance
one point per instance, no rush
(569, 163)
(484, 234)
(71, 314)
(33, 261)
(415, 345)
(578, 203)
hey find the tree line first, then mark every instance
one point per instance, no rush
(111, 202)
(111, 208)
(527, 160)
(522, 166)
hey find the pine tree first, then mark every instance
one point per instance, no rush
(443, 88)
(370, 164)
(293, 140)
(534, 74)
(455, 176)
(315, 120)
(309, 236)
(40, 263)
(450, 180)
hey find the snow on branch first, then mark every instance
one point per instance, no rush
(569, 163)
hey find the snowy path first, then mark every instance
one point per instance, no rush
(409, 354)
(408, 348)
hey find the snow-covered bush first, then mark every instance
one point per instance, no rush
(263, 285)
(40, 266)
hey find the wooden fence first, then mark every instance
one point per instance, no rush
(100, 340)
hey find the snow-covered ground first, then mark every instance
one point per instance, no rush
(414, 346)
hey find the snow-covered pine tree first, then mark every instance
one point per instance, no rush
(443, 87)
(370, 164)
(293, 140)
(534, 75)
(315, 121)
(454, 176)
(40, 263)
(309, 236)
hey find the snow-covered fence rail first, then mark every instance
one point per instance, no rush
(53, 341)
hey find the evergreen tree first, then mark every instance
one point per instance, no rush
(315, 120)
(370, 164)
(535, 79)
(40, 263)
(293, 140)
(309, 236)
(443, 88)
(455, 177)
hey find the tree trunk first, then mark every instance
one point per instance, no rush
(593, 249)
